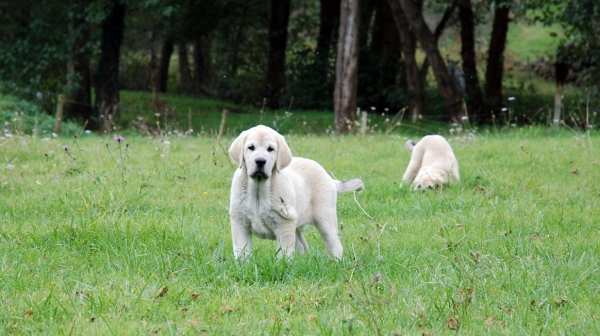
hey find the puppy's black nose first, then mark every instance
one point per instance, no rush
(260, 162)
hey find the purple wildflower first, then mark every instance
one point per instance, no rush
(66, 148)
(377, 276)
(119, 138)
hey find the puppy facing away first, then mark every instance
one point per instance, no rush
(274, 195)
(432, 163)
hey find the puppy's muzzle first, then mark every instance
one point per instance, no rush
(260, 173)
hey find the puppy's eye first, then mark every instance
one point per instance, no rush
(251, 147)
(270, 149)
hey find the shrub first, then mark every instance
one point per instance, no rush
(21, 117)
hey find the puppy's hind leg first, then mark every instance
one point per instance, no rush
(328, 227)
(301, 245)
(414, 165)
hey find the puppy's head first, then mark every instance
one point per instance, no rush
(261, 151)
(432, 179)
(426, 182)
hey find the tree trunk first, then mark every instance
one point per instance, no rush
(275, 79)
(78, 68)
(163, 67)
(452, 98)
(321, 79)
(199, 65)
(329, 16)
(151, 79)
(439, 29)
(185, 74)
(495, 64)
(408, 42)
(236, 40)
(474, 97)
(380, 60)
(387, 44)
(346, 80)
(107, 75)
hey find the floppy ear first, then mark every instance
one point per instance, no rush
(284, 153)
(236, 151)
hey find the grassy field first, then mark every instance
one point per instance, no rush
(133, 237)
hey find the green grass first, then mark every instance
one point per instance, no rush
(531, 42)
(135, 240)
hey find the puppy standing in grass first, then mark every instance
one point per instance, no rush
(432, 163)
(273, 195)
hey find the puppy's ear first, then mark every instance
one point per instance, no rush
(284, 153)
(236, 151)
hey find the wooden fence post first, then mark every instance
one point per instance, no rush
(223, 123)
(62, 99)
(363, 123)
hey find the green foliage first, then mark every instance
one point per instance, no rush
(32, 48)
(310, 80)
(133, 238)
(578, 18)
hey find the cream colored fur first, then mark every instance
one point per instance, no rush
(274, 195)
(432, 163)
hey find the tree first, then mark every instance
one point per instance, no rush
(275, 78)
(33, 49)
(408, 42)
(439, 29)
(185, 74)
(346, 80)
(310, 68)
(200, 69)
(380, 58)
(78, 67)
(495, 63)
(166, 51)
(452, 98)
(580, 46)
(107, 75)
(329, 15)
(474, 96)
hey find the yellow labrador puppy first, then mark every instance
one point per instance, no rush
(273, 195)
(432, 163)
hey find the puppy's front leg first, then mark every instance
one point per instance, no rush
(242, 238)
(286, 239)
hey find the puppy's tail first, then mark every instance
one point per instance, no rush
(350, 185)
(410, 145)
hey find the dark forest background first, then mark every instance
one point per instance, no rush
(275, 54)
